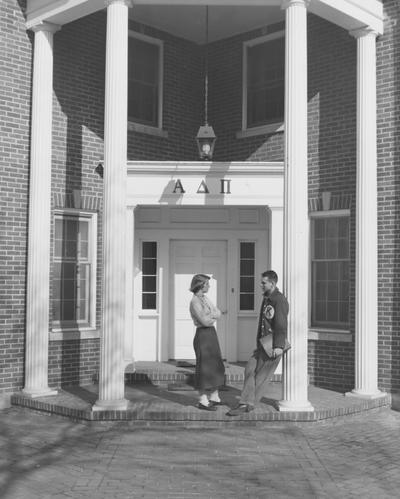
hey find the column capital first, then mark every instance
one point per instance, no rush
(291, 3)
(364, 31)
(46, 26)
(128, 3)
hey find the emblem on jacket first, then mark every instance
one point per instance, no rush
(269, 312)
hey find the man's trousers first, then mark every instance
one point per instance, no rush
(258, 371)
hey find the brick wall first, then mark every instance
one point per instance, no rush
(332, 60)
(388, 101)
(15, 76)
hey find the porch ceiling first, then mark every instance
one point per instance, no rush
(186, 18)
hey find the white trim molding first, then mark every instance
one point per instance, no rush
(349, 14)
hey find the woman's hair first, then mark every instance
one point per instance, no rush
(198, 282)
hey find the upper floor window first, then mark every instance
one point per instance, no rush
(145, 80)
(264, 80)
(330, 271)
(74, 270)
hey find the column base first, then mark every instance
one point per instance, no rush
(42, 392)
(366, 395)
(295, 406)
(111, 405)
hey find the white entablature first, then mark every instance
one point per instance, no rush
(349, 14)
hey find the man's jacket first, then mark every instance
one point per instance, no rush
(273, 317)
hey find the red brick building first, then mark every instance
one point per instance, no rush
(101, 229)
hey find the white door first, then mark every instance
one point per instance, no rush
(189, 258)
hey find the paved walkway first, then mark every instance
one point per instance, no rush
(44, 456)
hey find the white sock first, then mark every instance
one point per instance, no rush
(203, 399)
(215, 396)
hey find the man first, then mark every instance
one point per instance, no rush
(261, 366)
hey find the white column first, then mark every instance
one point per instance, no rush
(276, 238)
(296, 261)
(366, 333)
(112, 366)
(129, 272)
(38, 273)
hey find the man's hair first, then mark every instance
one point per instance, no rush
(271, 275)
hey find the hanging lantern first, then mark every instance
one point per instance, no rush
(206, 137)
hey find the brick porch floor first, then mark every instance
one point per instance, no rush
(163, 392)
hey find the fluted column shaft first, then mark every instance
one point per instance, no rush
(366, 333)
(111, 381)
(38, 272)
(296, 261)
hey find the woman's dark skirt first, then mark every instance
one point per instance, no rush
(210, 369)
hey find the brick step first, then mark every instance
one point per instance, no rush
(178, 377)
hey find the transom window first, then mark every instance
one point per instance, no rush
(74, 270)
(144, 80)
(264, 63)
(330, 272)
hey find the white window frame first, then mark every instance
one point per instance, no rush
(87, 330)
(321, 332)
(140, 127)
(270, 127)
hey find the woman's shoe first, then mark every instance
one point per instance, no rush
(206, 407)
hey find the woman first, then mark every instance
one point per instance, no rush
(210, 369)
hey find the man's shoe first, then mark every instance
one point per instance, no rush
(214, 402)
(206, 407)
(240, 409)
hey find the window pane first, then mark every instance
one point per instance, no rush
(71, 229)
(56, 310)
(246, 301)
(149, 283)
(149, 249)
(331, 248)
(70, 249)
(247, 250)
(319, 248)
(332, 311)
(247, 284)
(320, 313)
(84, 230)
(68, 310)
(344, 312)
(149, 301)
(247, 267)
(343, 230)
(332, 228)
(333, 290)
(319, 229)
(149, 266)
